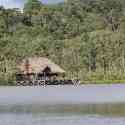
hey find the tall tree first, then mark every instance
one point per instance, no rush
(32, 5)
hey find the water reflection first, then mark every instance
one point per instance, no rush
(79, 109)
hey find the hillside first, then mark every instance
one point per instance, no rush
(85, 37)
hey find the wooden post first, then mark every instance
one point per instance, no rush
(27, 66)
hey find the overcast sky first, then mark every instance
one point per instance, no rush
(20, 3)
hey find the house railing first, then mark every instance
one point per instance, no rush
(47, 82)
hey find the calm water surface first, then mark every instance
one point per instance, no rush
(63, 105)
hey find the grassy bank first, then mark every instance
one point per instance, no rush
(104, 82)
(98, 77)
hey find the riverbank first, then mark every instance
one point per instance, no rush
(101, 82)
(104, 82)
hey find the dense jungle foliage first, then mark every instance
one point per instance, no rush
(85, 37)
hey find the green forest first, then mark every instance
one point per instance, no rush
(85, 37)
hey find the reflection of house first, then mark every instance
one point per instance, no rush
(38, 68)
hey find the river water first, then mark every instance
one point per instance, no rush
(63, 105)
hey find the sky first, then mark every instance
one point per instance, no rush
(20, 3)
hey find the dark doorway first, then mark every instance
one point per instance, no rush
(47, 70)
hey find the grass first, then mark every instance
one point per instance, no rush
(103, 82)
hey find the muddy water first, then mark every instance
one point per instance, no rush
(63, 105)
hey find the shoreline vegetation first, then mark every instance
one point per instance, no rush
(85, 37)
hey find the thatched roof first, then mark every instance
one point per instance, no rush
(38, 65)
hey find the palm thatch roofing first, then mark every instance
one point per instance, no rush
(38, 65)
